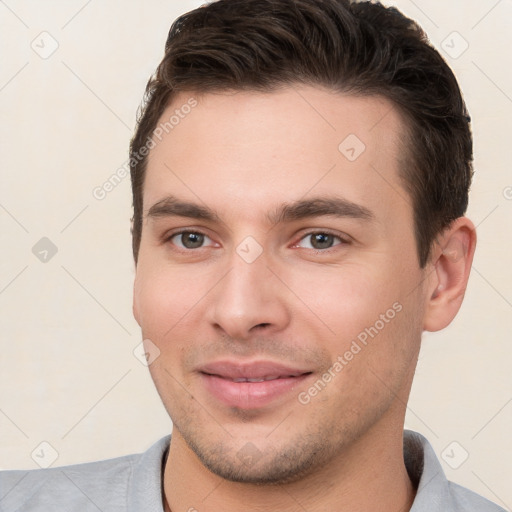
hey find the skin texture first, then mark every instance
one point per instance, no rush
(243, 156)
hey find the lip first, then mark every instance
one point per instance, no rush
(250, 385)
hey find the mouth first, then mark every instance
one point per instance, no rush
(251, 385)
(264, 379)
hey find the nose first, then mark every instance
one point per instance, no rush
(249, 300)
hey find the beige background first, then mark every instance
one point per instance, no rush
(68, 373)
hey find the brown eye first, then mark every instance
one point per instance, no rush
(189, 240)
(320, 241)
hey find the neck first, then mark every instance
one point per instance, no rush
(370, 475)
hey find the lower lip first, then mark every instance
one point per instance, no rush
(250, 395)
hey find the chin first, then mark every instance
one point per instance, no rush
(258, 465)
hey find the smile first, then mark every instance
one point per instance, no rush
(252, 385)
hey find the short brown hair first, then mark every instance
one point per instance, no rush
(360, 48)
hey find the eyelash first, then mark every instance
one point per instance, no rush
(168, 239)
(342, 240)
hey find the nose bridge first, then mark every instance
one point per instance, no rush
(247, 285)
(247, 297)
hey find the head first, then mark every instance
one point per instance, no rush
(300, 172)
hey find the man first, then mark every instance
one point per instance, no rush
(300, 174)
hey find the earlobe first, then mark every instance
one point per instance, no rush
(452, 256)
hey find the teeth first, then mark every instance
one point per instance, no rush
(264, 379)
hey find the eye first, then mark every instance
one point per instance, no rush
(190, 240)
(320, 241)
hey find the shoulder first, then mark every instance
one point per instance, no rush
(435, 493)
(466, 500)
(91, 486)
(103, 485)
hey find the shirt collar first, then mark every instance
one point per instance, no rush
(146, 487)
(432, 495)
(433, 491)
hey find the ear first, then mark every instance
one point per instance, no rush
(448, 273)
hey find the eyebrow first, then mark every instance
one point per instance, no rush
(171, 206)
(317, 207)
(301, 209)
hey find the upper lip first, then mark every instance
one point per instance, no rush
(260, 370)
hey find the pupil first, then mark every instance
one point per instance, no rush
(192, 240)
(321, 241)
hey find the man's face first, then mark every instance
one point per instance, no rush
(279, 279)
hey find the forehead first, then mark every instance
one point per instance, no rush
(251, 149)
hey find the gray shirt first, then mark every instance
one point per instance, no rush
(133, 483)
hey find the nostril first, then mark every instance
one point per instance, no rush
(261, 325)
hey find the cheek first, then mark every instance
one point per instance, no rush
(366, 317)
(167, 301)
(345, 299)
(164, 299)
